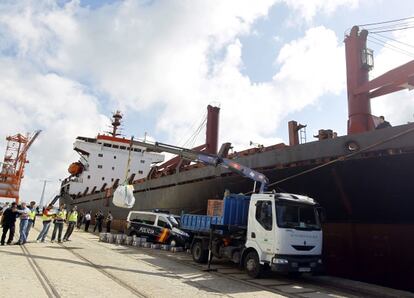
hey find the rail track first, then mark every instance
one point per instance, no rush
(106, 273)
(230, 271)
(48, 287)
(272, 283)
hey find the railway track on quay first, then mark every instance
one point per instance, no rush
(273, 283)
(84, 248)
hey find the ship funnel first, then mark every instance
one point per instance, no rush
(212, 129)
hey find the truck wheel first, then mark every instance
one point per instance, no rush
(252, 265)
(200, 255)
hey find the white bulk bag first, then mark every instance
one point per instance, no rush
(124, 196)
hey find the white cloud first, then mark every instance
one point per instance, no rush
(172, 56)
(397, 107)
(307, 9)
(57, 105)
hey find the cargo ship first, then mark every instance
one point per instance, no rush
(362, 179)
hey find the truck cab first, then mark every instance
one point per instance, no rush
(283, 233)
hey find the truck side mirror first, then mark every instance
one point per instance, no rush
(321, 214)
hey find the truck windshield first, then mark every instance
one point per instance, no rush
(303, 217)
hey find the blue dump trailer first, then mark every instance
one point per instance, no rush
(234, 214)
(274, 231)
(219, 231)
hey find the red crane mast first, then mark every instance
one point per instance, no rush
(12, 167)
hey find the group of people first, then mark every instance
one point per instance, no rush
(27, 214)
(85, 218)
(58, 218)
(10, 213)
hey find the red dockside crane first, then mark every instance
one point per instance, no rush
(12, 167)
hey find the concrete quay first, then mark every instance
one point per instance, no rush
(85, 267)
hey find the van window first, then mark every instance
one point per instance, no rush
(148, 219)
(163, 223)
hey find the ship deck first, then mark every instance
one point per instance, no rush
(86, 267)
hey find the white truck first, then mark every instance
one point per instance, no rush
(277, 231)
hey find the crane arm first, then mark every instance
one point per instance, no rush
(26, 148)
(208, 159)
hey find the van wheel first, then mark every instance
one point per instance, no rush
(200, 255)
(252, 265)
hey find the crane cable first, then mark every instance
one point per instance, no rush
(129, 160)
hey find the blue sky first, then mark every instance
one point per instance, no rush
(66, 65)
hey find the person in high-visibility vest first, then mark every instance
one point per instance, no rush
(24, 212)
(58, 222)
(47, 219)
(72, 219)
(32, 217)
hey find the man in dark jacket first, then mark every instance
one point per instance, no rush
(383, 123)
(9, 222)
(99, 218)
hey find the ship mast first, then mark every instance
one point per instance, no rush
(116, 122)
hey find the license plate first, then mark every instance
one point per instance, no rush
(304, 269)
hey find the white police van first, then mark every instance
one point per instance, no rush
(157, 227)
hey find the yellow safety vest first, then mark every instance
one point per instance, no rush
(61, 215)
(73, 216)
(46, 217)
(32, 214)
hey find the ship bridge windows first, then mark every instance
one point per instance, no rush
(107, 145)
(89, 140)
(122, 147)
(115, 146)
(99, 166)
(140, 172)
(100, 155)
(137, 150)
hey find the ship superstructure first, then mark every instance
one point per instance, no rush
(103, 162)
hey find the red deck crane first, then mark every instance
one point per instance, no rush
(13, 164)
(359, 61)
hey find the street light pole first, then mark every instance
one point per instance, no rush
(43, 193)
